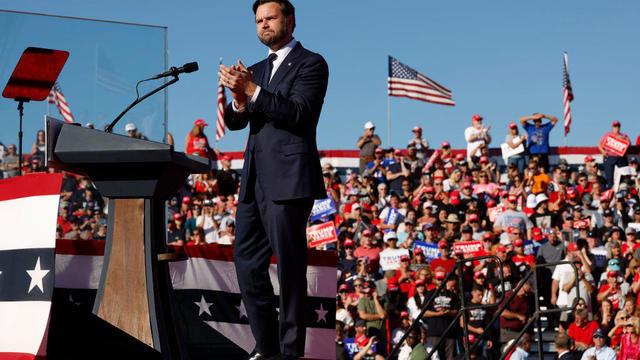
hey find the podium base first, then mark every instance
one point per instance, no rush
(76, 333)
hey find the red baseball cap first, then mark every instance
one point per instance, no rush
(417, 129)
(459, 157)
(466, 184)
(404, 314)
(571, 193)
(513, 125)
(349, 242)
(478, 274)
(366, 232)
(443, 244)
(484, 159)
(362, 340)
(573, 247)
(186, 199)
(537, 233)
(491, 203)
(588, 158)
(419, 282)
(200, 122)
(454, 197)
(440, 275)
(612, 273)
(379, 150)
(343, 287)
(392, 284)
(225, 158)
(501, 249)
(177, 216)
(474, 217)
(518, 242)
(476, 117)
(397, 152)
(512, 198)
(487, 235)
(418, 251)
(616, 123)
(445, 144)
(429, 189)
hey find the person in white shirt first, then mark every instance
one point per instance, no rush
(600, 351)
(523, 347)
(476, 135)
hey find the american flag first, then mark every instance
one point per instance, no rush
(406, 82)
(567, 96)
(57, 97)
(222, 103)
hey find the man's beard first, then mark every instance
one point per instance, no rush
(276, 38)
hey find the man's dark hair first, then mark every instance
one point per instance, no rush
(285, 6)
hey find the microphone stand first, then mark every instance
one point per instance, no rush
(138, 100)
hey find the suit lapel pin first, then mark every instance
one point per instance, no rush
(289, 64)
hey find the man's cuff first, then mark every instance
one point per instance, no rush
(239, 110)
(255, 94)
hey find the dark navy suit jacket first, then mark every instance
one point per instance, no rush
(282, 128)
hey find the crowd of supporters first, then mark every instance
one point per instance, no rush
(406, 216)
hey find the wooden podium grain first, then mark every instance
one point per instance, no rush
(125, 284)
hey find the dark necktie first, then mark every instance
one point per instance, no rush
(267, 73)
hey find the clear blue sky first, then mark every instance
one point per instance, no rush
(501, 59)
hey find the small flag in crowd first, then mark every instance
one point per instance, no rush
(222, 103)
(406, 82)
(57, 97)
(27, 255)
(567, 96)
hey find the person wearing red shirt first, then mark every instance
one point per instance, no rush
(523, 262)
(611, 160)
(367, 250)
(444, 261)
(581, 330)
(611, 290)
(63, 219)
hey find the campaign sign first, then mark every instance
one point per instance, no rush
(529, 249)
(584, 223)
(468, 247)
(432, 159)
(431, 251)
(615, 145)
(352, 347)
(494, 212)
(322, 209)
(390, 258)
(321, 234)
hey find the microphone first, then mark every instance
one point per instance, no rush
(173, 71)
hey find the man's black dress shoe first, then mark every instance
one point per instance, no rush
(258, 356)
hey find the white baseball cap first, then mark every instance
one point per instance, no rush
(369, 125)
(130, 127)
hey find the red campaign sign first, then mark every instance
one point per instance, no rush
(584, 223)
(467, 247)
(321, 234)
(495, 211)
(615, 145)
(433, 158)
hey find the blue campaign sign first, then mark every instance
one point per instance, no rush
(529, 248)
(431, 251)
(322, 209)
(352, 348)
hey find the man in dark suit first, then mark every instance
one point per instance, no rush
(563, 344)
(280, 98)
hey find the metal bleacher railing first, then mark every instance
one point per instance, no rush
(500, 303)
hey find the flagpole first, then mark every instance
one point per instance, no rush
(566, 63)
(217, 110)
(389, 120)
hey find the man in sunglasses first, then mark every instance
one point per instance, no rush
(600, 350)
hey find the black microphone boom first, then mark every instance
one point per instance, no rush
(173, 71)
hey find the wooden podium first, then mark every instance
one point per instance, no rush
(138, 176)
